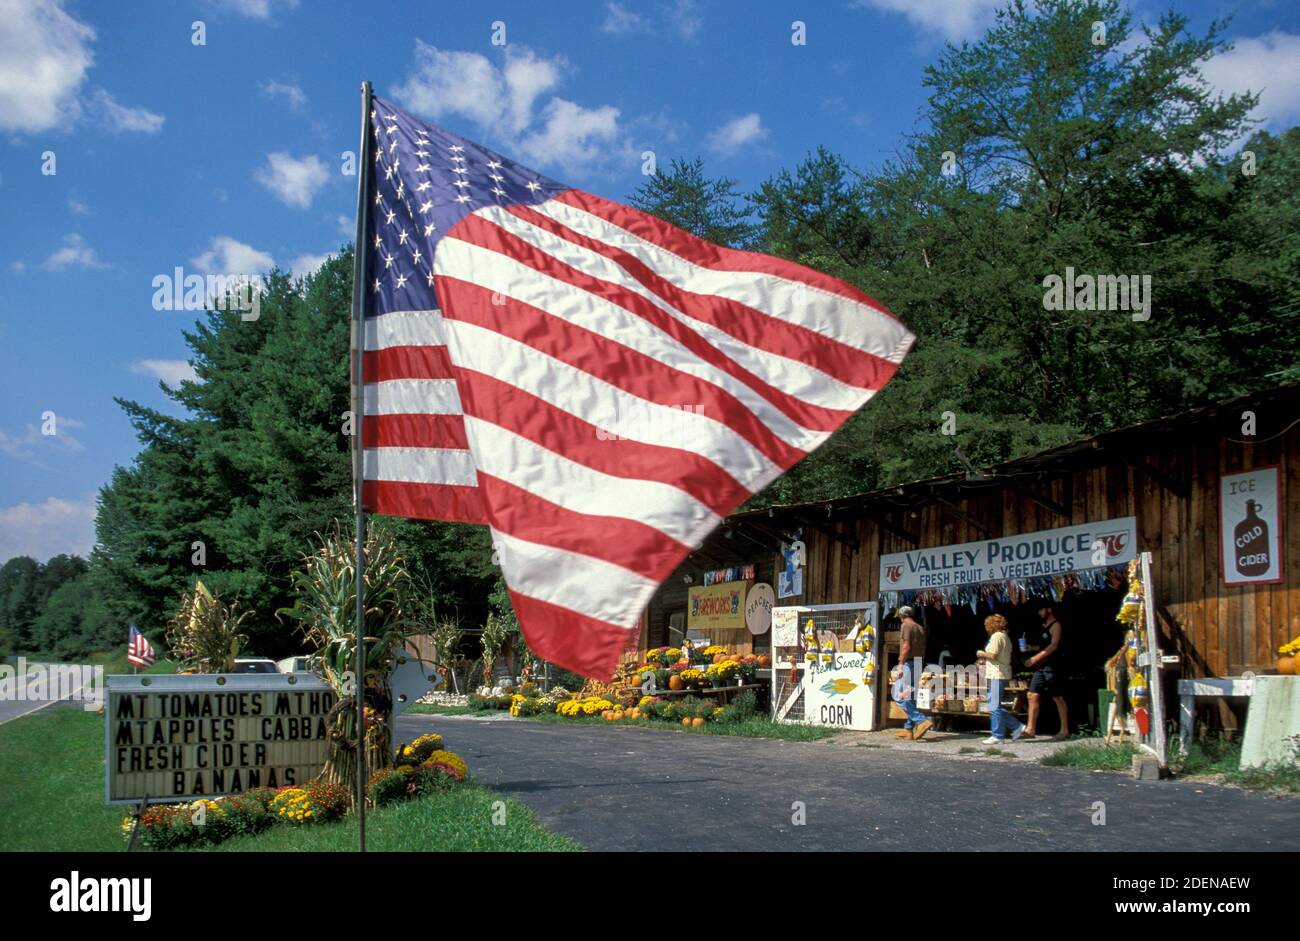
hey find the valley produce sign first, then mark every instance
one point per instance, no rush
(178, 738)
(1033, 555)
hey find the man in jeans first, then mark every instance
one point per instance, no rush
(912, 639)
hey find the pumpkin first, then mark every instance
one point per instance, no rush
(719, 657)
(618, 716)
(605, 715)
(675, 682)
(686, 722)
(697, 722)
(764, 661)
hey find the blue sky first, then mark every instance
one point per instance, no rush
(226, 156)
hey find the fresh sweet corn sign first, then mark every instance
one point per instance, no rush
(177, 738)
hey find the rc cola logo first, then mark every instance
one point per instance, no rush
(1251, 542)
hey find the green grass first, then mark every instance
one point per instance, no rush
(52, 799)
(432, 709)
(52, 784)
(991, 752)
(1093, 756)
(458, 821)
(1216, 756)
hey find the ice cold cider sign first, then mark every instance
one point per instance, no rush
(1033, 555)
(183, 737)
(1251, 527)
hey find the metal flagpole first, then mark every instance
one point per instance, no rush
(360, 275)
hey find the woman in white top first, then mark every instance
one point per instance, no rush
(997, 667)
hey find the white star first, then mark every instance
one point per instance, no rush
(428, 229)
(388, 261)
(379, 155)
(401, 189)
(499, 179)
(533, 185)
(459, 170)
(416, 256)
(423, 186)
(379, 198)
(391, 216)
(429, 278)
(376, 285)
(423, 168)
(460, 183)
(388, 174)
(458, 158)
(494, 164)
(401, 280)
(392, 146)
(462, 198)
(422, 153)
(378, 243)
(425, 207)
(498, 190)
(455, 148)
(401, 237)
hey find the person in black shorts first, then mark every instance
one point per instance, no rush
(1047, 664)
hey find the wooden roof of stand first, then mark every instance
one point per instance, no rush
(743, 534)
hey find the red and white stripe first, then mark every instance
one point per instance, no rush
(417, 463)
(560, 320)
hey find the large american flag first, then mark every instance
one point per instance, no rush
(597, 386)
(138, 649)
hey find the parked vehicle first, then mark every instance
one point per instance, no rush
(255, 665)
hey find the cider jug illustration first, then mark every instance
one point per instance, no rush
(1250, 543)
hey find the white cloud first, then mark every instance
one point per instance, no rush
(347, 225)
(737, 133)
(295, 181)
(53, 527)
(23, 446)
(254, 9)
(506, 104)
(1268, 64)
(18, 267)
(77, 207)
(304, 265)
(953, 20)
(231, 257)
(170, 371)
(572, 135)
(620, 20)
(122, 119)
(685, 19)
(45, 55)
(74, 253)
(292, 95)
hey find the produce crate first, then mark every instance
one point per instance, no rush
(970, 704)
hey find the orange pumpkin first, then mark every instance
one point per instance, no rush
(686, 722)
(618, 716)
(764, 661)
(675, 682)
(697, 722)
(719, 657)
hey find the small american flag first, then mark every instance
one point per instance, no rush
(138, 649)
(597, 386)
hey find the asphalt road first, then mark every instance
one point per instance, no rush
(629, 788)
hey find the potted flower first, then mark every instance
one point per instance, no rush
(1287, 656)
